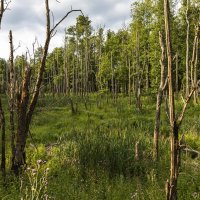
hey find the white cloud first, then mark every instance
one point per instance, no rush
(27, 19)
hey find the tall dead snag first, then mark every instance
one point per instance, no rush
(194, 59)
(11, 94)
(1, 11)
(24, 108)
(187, 49)
(171, 186)
(3, 7)
(3, 143)
(174, 129)
(162, 86)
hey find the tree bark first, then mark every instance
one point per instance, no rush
(129, 81)
(187, 49)
(3, 142)
(177, 73)
(172, 193)
(194, 60)
(2, 9)
(159, 99)
(25, 110)
(11, 92)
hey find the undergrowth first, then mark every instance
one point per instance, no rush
(91, 154)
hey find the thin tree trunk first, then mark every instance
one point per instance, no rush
(172, 192)
(195, 60)
(11, 96)
(3, 142)
(2, 9)
(187, 49)
(112, 78)
(159, 99)
(177, 73)
(26, 110)
(195, 73)
(129, 80)
(139, 76)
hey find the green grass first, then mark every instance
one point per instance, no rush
(91, 154)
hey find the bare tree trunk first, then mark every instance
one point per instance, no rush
(194, 60)
(22, 123)
(171, 186)
(2, 9)
(195, 73)
(129, 81)
(139, 75)
(187, 50)
(177, 73)
(25, 110)
(174, 129)
(159, 99)
(11, 93)
(82, 81)
(3, 142)
(112, 78)
(66, 68)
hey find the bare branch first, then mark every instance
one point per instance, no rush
(3, 7)
(180, 118)
(192, 151)
(7, 3)
(1, 10)
(61, 20)
(19, 45)
(53, 18)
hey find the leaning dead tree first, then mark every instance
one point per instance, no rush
(26, 100)
(3, 7)
(1, 10)
(175, 122)
(163, 83)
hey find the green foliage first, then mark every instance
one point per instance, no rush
(92, 154)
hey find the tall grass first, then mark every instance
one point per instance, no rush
(91, 154)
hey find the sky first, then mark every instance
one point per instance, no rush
(26, 19)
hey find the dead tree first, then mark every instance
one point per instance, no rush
(25, 109)
(3, 7)
(194, 59)
(162, 86)
(11, 94)
(1, 10)
(187, 49)
(171, 186)
(3, 143)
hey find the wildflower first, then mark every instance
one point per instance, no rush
(39, 162)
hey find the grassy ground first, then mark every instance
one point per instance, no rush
(91, 154)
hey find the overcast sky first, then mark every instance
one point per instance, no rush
(26, 19)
